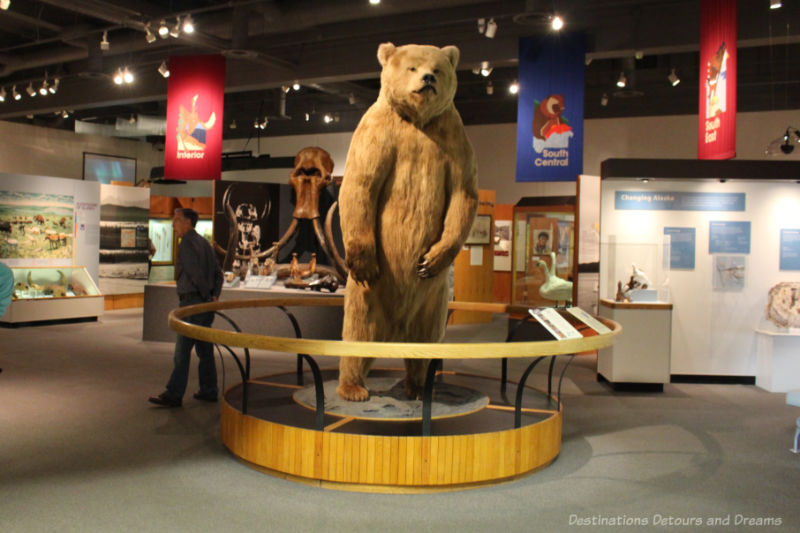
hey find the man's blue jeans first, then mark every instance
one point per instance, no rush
(207, 370)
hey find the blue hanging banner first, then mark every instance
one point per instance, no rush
(550, 108)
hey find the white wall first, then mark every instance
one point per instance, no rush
(39, 151)
(713, 331)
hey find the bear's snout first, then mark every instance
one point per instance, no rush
(429, 79)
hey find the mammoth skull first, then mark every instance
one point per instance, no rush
(311, 173)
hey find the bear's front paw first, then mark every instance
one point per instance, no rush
(352, 392)
(431, 264)
(363, 266)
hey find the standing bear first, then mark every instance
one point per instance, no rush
(408, 200)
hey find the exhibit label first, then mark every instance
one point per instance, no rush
(717, 118)
(195, 99)
(679, 201)
(681, 248)
(550, 108)
(790, 249)
(728, 237)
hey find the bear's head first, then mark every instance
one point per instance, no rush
(418, 81)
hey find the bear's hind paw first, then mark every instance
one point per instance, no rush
(352, 392)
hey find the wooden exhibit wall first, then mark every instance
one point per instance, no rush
(502, 279)
(475, 283)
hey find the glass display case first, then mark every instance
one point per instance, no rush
(53, 293)
(626, 266)
(544, 244)
(161, 235)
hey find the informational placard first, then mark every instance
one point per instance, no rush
(728, 237)
(589, 320)
(679, 201)
(555, 323)
(790, 249)
(682, 247)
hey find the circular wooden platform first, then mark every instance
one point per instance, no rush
(278, 436)
(482, 446)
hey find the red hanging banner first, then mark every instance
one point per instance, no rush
(195, 99)
(717, 121)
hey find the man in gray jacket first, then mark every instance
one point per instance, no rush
(199, 280)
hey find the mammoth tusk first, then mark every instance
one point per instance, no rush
(341, 266)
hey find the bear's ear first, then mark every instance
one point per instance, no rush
(385, 51)
(452, 54)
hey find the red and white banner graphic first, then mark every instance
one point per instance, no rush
(195, 99)
(717, 121)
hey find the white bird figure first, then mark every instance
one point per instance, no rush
(554, 288)
(639, 278)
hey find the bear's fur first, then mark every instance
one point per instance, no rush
(408, 199)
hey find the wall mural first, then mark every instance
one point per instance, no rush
(124, 215)
(36, 225)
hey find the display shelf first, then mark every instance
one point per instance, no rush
(53, 293)
(778, 360)
(640, 359)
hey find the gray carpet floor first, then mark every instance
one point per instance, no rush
(81, 449)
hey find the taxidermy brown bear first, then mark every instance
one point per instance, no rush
(408, 199)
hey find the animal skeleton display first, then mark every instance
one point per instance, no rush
(310, 175)
(244, 230)
(783, 304)
(56, 290)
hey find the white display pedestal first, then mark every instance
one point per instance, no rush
(778, 365)
(640, 358)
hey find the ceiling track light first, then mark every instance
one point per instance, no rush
(64, 114)
(15, 94)
(118, 78)
(149, 35)
(5, 4)
(296, 86)
(556, 23)
(485, 69)
(286, 88)
(188, 24)
(514, 87)
(233, 124)
(30, 90)
(673, 78)
(491, 29)
(489, 88)
(604, 100)
(176, 29)
(54, 86)
(775, 4)
(163, 30)
(43, 90)
(127, 75)
(3, 94)
(622, 81)
(104, 44)
(374, 2)
(163, 69)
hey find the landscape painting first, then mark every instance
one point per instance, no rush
(36, 226)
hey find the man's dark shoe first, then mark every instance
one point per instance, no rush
(164, 401)
(205, 397)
